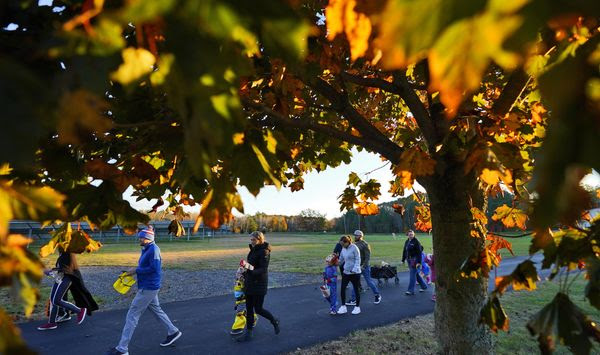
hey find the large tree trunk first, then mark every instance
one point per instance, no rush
(459, 300)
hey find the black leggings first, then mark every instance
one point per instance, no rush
(254, 303)
(57, 298)
(355, 279)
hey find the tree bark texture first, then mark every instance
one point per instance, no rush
(459, 300)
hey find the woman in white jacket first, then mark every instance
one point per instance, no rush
(350, 257)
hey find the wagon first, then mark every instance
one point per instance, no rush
(384, 273)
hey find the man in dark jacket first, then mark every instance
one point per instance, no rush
(412, 252)
(148, 279)
(365, 257)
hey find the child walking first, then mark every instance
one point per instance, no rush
(330, 280)
(429, 261)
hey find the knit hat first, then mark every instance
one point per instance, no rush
(358, 234)
(147, 233)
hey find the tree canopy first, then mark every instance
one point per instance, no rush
(195, 98)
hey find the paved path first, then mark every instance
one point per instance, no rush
(206, 322)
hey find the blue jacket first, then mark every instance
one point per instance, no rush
(148, 270)
(330, 274)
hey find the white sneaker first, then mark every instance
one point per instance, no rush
(356, 310)
(342, 310)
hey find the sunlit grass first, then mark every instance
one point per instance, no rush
(291, 252)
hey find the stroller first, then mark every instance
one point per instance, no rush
(239, 323)
(384, 272)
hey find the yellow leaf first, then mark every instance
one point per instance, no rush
(10, 337)
(238, 138)
(341, 18)
(463, 52)
(367, 209)
(137, 62)
(510, 216)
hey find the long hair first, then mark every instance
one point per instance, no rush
(260, 237)
(346, 239)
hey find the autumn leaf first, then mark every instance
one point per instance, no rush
(81, 111)
(348, 199)
(423, 222)
(463, 52)
(367, 208)
(137, 62)
(176, 228)
(353, 179)
(28, 203)
(524, 277)
(561, 321)
(10, 337)
(494, 177)
(369, 190)
(217, 206)
(341, 18)
(493, 315)
(77, 241)
(399, 209)
(297, 184)
(511, 217)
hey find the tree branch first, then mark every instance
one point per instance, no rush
(342, 105)
(279, 119)
(517, 82)
(401, 87)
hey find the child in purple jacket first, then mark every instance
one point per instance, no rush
(330, 279)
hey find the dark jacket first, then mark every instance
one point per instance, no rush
(82, 297)
(257, 280)
(365, 252)
(412, 250)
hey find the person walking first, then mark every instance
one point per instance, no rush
(412, 252)
(68, 277)
(350, 257)
(148, 279)
(257, 281)
(365, 257)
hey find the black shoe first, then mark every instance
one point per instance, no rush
(114, 351)
(408, 293)
(171, 339)
(422, 289)
(276, 326)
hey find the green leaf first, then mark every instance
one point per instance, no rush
(353, 179)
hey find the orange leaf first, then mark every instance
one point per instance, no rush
(341, 18)
(367, 209)
(510, 217)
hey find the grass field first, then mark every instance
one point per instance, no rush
(416, 335)
(291, 252)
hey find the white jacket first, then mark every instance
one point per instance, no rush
(350, 257)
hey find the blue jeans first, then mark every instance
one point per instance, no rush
(415, 276)
(332, 295)
(366, 272)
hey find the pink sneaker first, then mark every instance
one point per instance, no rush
(81, 315)
(47, 326)
(433, 298)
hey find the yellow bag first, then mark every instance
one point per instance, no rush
(124, 283)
